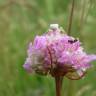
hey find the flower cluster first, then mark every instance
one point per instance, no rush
(57, 54)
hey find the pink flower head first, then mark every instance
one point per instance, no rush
(57, 54)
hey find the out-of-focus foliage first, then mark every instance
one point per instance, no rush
(20, 21)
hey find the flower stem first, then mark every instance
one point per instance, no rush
(71, 17)
(58, 82)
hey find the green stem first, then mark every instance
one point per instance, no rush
(71, 17)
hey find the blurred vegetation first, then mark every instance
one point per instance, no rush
(20, 22)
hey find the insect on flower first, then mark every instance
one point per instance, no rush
(72, 41)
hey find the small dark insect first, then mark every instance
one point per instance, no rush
(72, 41)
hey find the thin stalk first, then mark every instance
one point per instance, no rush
(58, 82)
(71, 17)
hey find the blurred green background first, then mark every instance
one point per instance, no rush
(20, 22)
